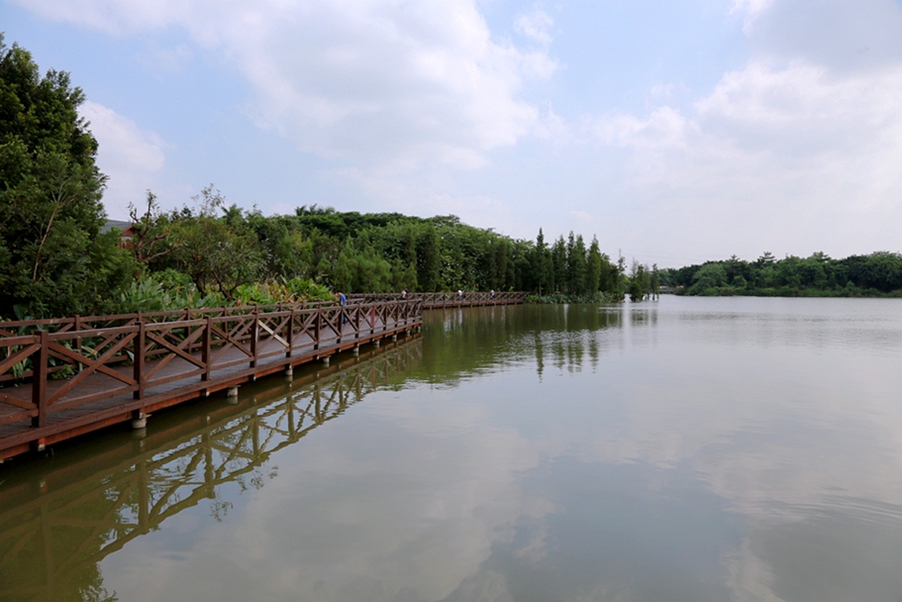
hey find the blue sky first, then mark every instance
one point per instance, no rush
(674, 131)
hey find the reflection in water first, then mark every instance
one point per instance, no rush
(692, 450)
(56, 527)
(479, 340)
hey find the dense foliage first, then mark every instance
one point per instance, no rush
(53, 258)
(219, 249)
(877, 274)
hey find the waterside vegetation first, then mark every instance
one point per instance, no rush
(876, 275)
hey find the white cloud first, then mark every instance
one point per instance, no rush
(416, 194)
(376, 83)
(535, 25)
(663, 127)
(131, 157)
(751, 8)
(404, 97)
(794, 149)
(840, 35)
(166, 59)
(583, 216)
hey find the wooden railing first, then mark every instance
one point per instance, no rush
(133, 486)
(108, 364)
(448, 299)
(14, 328)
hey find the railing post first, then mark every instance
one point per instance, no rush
(357, 322)
(205, 354)
(76, 326)
(255, 334)
(39, 379)
(289, 336)
(139, 358)
(316, 326)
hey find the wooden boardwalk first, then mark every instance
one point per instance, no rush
(63, 378)
(449, 299)
(100, 501)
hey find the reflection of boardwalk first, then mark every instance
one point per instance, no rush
(54, 530)
(77, 375)
(443, 300)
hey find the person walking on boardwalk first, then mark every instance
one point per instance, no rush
(342, 301)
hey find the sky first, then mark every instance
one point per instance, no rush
(675, 132)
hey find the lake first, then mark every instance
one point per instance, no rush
(686, 449)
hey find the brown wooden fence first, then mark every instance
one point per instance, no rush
(449, 299)
(61, 378)
(76, 511)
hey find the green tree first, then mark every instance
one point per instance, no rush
(541, 265)
(218, 255)
(654, 282)
(153, 232)
(559, 282)
(576, 264)
(708, 278)
(594, 265)
(53, 258)
(428, 259)
(360, 269)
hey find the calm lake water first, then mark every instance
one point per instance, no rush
(688, 449)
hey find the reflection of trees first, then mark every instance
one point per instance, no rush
(460, 342)
(54, 532)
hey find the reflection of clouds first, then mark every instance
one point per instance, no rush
(695, 452)
(784, 413)
(765, 419)
(749, 578)
(778, 418)
(487, 586)
(833, 557)
(759, 437)
(388, 508)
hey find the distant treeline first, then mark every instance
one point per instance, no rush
(221, 250)
(209, 253)
(58, 257)
(875, 275)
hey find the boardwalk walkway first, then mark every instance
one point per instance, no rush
(447, 300)
(62, 378)
(101, 501)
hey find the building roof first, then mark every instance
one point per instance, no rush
(113, 223)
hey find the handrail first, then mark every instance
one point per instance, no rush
(82, 322)
(194, 456)
(449, 298)
(136, 357)
(21, 327)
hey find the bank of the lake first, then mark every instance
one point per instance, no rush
(684, 449)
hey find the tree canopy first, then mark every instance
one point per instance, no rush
(877, 274)
(54, 259)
